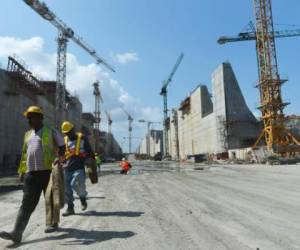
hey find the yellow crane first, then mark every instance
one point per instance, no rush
(275, 134)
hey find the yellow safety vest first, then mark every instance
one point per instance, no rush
(48, 149)
(78, 151)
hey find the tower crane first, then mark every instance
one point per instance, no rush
(275, 134)
(277, 138)
(164, 93)
(98, 100)
(65, 33)
(109, 134)
(248, 36)
(130, 120)
(109, 121)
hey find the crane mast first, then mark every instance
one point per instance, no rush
(65, 33)
(130, 120)
(164, 93)
(276, 136)
(98, 100)
(109, 122)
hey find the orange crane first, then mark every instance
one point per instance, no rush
(275, 134)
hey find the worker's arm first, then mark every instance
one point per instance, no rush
(60, 144)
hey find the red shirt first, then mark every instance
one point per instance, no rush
(125, 165)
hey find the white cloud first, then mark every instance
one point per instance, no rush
(80, 79)
(126, 57)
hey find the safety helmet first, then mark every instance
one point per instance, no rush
(33, 109)
(123, 159)
(66, 127)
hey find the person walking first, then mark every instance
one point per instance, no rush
(77, 151)
(41, 144)
(98, 162)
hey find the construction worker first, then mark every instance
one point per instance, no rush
(125, 166)
(98, 162)
(78, 150)
(41, 144)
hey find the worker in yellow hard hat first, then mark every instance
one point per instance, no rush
(40, 145)
(77, 151)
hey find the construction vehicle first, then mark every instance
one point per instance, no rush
(130, 120)
(164, 93)
(65, 33)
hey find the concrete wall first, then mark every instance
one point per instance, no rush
(16, 95)
(155, 143)
(214, 124)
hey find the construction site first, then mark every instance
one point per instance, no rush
(208, 173)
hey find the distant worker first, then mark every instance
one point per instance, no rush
(78, 150)
(98, 162)
(38, 154)
(125, 166)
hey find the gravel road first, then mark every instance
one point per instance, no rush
(172, 206)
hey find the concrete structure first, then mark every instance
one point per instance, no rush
(18, 90)
(155, 143)
(213, 125)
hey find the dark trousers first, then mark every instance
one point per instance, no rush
(123, 171)
(34, 183)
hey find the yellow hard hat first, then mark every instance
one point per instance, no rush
(33, 109)
(66, 127)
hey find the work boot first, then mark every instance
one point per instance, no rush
(51, 228)
(83, 204)
(16, 237)
(69, 211)
(17, 233)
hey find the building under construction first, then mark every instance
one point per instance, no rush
(213, 124)
(19, 88)
(152, 143)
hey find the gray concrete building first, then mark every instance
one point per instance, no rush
(19, 89)
(213, 124)
(154, 145)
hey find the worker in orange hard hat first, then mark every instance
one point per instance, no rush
(77, 151)
(40, 145)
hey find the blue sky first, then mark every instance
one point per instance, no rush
(155, 32)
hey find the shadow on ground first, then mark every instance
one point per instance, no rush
(93, 197)
(107, 214)
(79, 237)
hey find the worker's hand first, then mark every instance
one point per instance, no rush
(62, 159)
(21, 177)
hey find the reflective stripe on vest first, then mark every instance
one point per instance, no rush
(75, 149)
(48, 149)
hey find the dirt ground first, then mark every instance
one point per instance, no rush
(172, 206)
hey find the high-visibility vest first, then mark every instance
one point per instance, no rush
(48, 149)
(98, 159)
(75, 148)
